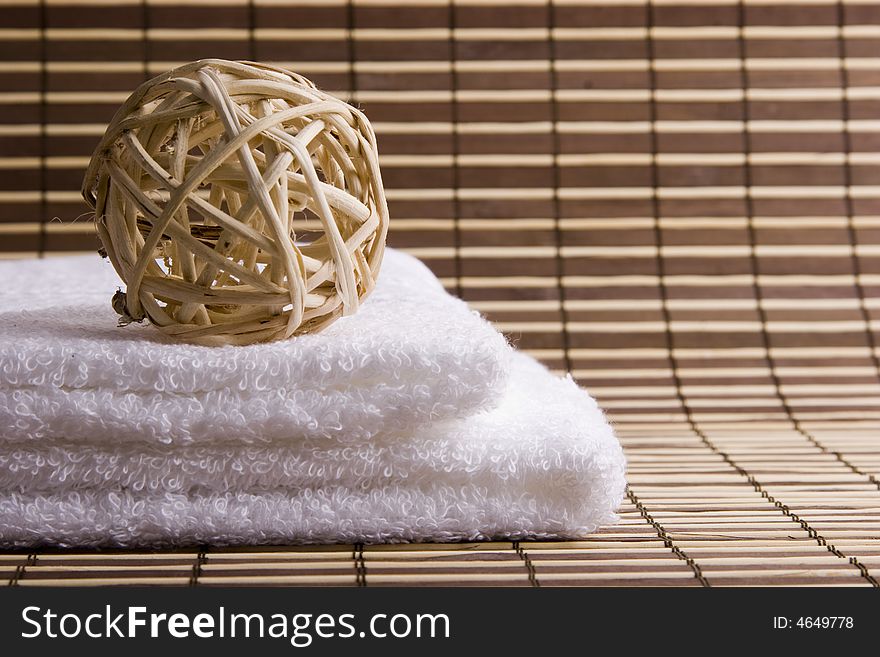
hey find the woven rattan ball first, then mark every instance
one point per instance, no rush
(238, 203)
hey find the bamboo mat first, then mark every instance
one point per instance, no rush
(676, 201)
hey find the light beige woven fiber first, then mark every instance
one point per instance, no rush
(211, 167)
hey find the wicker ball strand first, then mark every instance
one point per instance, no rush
(238, 203)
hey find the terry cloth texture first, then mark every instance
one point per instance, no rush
(512, 452)
(543, 463)
(413, 353)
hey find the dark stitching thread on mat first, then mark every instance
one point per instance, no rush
(351, 21)
(360, 566)
(456, 166)
(666, 314)
(145, 38)
(201, 559)
(852, 235)
(527, 562)
(666, 538)
(43, 146)
(753, 260)
(18, 575)
(664, 300)
(252, 30)
(762, 313)
(758, 293)
(557, 182)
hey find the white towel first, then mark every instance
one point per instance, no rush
(412, 420)
(543, 463)
(412, 354)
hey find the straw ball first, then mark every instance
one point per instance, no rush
(238, 203)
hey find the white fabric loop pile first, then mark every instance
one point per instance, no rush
(412, 420)
(67, 372)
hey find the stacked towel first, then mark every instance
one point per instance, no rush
(411, 420)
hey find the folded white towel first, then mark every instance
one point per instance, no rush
(412, 354)
(543, 463)
(412, 420)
